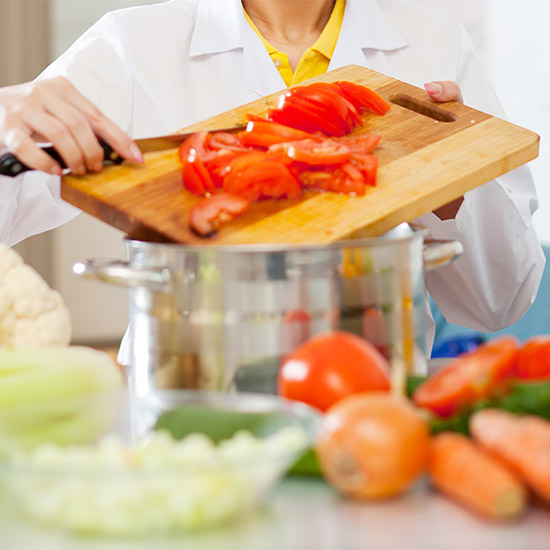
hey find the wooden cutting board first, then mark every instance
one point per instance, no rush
(429, 155)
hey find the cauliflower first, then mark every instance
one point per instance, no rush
(31, 313)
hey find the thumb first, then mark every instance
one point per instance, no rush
(445, 90)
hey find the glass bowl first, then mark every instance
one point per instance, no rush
(211, 458)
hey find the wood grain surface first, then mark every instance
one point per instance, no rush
(427, 159)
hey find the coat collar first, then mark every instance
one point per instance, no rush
(221, 26)
(364, 28)
(371, 27)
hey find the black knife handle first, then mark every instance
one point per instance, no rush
(11, 166)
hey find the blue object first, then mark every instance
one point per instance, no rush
(536, 320)
(455, 346)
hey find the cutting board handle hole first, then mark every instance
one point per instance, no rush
(423, 108)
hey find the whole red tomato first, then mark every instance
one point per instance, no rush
(330, 366)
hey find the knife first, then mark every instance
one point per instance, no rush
(11, 166)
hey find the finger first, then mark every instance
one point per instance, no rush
(80, 129)
(55, 132)
(25, 149)
(105, 128)
(444, 90)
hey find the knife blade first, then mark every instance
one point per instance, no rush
(11, 166)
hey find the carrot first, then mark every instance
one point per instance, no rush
(466, 473)
(521, 442)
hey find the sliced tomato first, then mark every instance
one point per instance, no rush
(192, 153)
(198, 142)
(363, 98)
(327, 112)
(360, 143)
(333, 180)
(196, 177)
(367, 164)
(534, 359)
(315, 152)
(218, 165)
(352, 173)
(227, 141)
(327, 96)
(258, 176)
(206, 216)
(326, 105)
(469, 377)
(253, 116)
(299, 114)
(263, 133)
(349, 186)
(353, 113)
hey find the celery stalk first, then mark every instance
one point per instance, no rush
(46, 393)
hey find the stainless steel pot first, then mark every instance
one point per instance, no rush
(213, 317)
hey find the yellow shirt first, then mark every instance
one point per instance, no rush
(316, 59)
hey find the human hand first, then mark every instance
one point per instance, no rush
(441, 91)
(54, 111)
(444, 90)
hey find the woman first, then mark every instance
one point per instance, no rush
(151, 70)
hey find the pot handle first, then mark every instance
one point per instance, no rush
(118, 272)
(438, 253)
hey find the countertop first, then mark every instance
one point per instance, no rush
(306, 514)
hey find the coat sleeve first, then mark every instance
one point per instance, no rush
(97, 64)
(496, 279)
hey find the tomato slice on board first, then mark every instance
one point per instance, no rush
(299, 114)
(361, 143)
(227, 141)
(197, 141)
(263, 133)
(328, 113)
(253, 116)
(334, 180)
(257, 176)
(367, 164)
(351, 111)
(326, 95)
(206, 215)
(318, 153)
(469, 377)
(218, 165)
(363, 97)
(326, 105)
(534, 359)
(196, 177)
(192, 153)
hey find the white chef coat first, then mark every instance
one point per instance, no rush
(158, 68)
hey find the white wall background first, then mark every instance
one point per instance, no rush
(517, 48)
(512, 39)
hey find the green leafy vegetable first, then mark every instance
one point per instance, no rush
(522, 398)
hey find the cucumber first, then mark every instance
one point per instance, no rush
(218, 424)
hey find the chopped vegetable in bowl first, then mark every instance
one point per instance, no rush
(159, 484)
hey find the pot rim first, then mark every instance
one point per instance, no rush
(401, 233)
